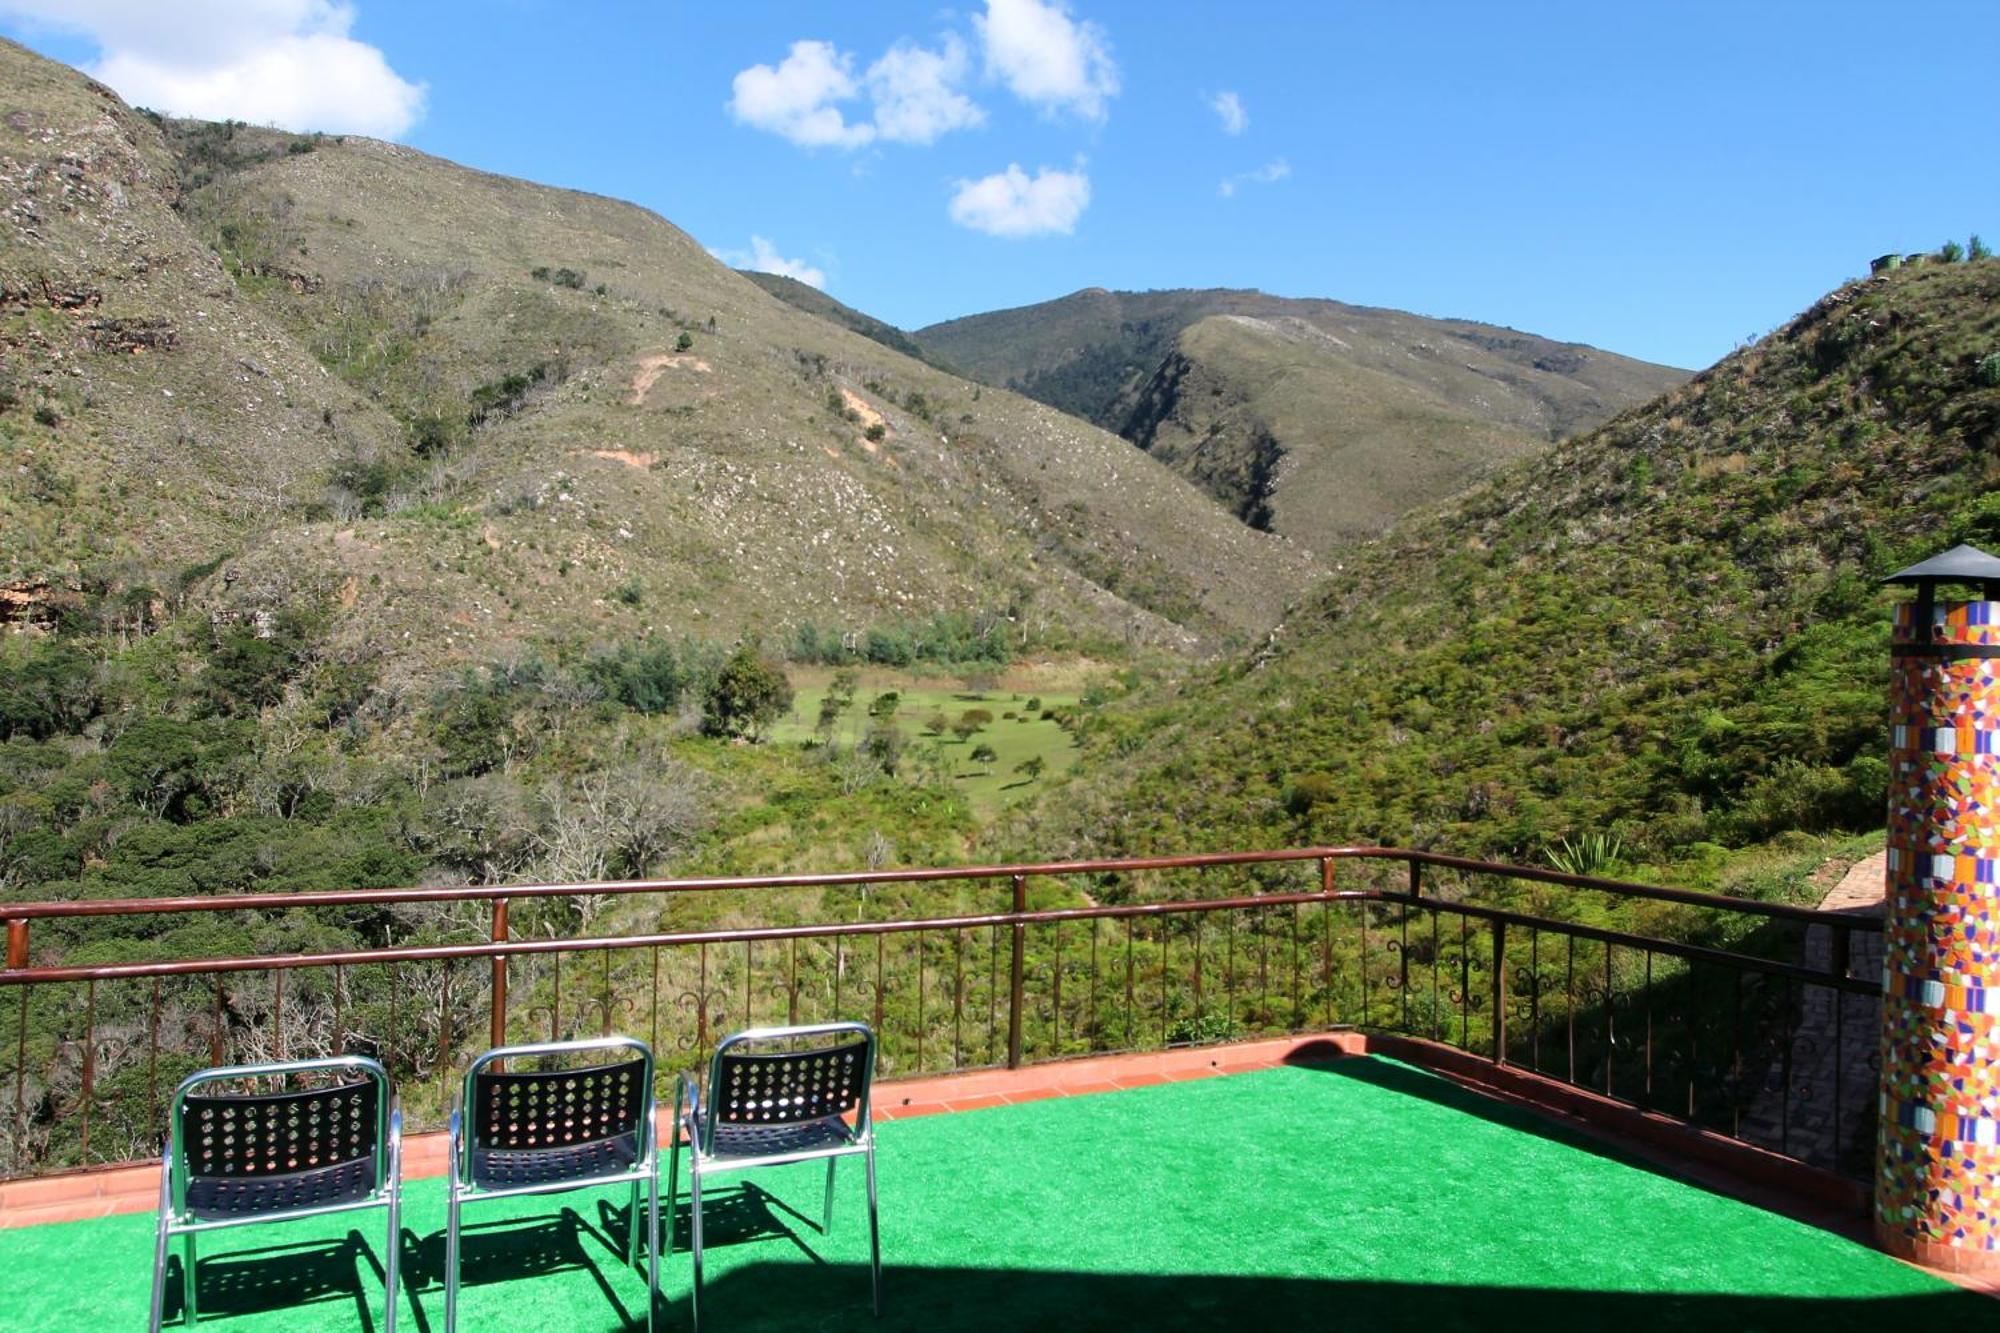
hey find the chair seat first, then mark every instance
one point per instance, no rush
(217, 1198)
(494, 1168)
(775, 1140)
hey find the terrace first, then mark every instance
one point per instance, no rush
(1388, 1088)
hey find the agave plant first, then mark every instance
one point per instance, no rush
(1587, 854)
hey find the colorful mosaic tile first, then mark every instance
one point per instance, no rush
(1938, 1177)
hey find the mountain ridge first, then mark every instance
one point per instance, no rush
(1668, 631)
(1448, 397)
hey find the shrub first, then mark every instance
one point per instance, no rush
(1989, 371)
(684, 342)
(1206, 1030)
(884, 744)
(984, 753)
(1975, 249)
(876, 431)
(1950, 252)
(1308, 790)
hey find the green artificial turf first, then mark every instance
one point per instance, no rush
(1363, 1195)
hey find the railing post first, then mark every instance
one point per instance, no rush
(1015, 968)
(1416, 879)
(17, 944)
(1499, 992)
(499, 996)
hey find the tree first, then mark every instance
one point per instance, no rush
(885, 704)
(983, 753)
(839, 697)
(1032, 766)
(1950, 253)
(1975, 249)
(748, 695)
(937, 724)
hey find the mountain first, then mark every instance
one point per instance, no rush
(1315, 419)
(468, 414)
(1669, 630)
(816, 302)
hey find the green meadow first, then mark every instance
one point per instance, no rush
(1016, 735)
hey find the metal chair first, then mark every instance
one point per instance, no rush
(237, 1159)
(770, 1107)
(539, 1132)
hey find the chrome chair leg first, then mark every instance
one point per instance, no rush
(160, 1256)
(632, 1229)
(826, 1209)
(673, 1189)
(391, 1257)
(189, 1313)
(694, 1237)
(451, 1262)
(874, 1235)
(652, 1245)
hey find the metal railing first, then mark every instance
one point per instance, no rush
(1697, 1009)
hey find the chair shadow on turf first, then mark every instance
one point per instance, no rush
(511, 1249)
(735, 1214)
(257, 1279)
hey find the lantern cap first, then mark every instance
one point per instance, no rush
(1961, 564)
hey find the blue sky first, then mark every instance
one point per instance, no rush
(1661, 180)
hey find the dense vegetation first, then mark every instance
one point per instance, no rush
(1668, 631)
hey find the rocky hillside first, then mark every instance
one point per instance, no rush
(1315, 419)
(1669, 630)
(470, 413)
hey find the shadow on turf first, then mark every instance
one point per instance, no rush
(1405, 1081)
(282, 1277)
(772, 1296)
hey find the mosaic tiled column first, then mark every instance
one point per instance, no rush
(1937, 1181)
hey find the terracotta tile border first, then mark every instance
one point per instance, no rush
(1712, 1161)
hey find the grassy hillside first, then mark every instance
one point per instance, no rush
(1319, 420)
(816, 302)
(473, 415)
(1669, 630)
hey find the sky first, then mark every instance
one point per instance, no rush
(1661, 180)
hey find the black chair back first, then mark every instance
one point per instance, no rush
(280, 1152)
(557, 1108)
(790, 1087)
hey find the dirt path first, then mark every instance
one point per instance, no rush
(652, 367)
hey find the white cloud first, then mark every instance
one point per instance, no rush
(281, 62)
(1268, 174)
(1229, 106)
(1048, 58)
(913, 91)
(763, 257)
(795, 100)
(1011, 204)
(916, 92)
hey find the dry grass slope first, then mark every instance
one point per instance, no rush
(476, 413)
(1319, 420)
